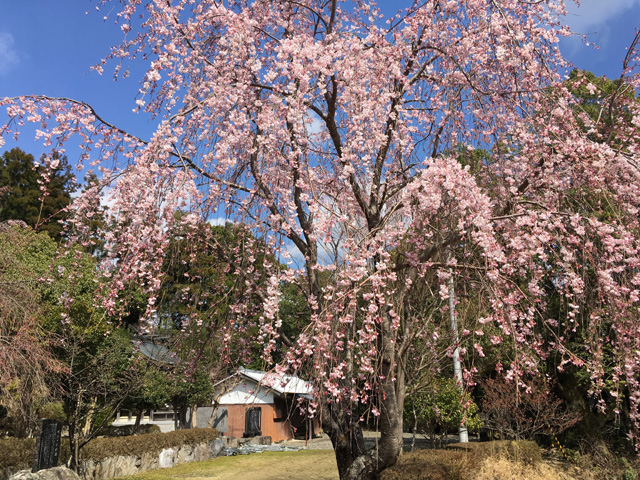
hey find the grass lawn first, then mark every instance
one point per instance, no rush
(502, 460)
(302, 465)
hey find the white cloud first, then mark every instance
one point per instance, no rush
(219, 221)
(8, 54)
(593, 15)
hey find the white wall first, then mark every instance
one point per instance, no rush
(245, 393)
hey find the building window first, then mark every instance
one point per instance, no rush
(162, 415)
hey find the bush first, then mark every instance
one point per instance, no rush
(138, 445)
(607, 465)
(127, 430)
(53, 411)
(461, 461)
(516, 414)
(17, 453)
(524, 451)
(441, 408)
(432, 465)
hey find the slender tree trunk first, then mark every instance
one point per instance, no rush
(73, 442)
(194, 416)
(87, 423)
(463, 435)
(136, 426)
(74, 429)
(212, 417)
(227, 386)
(176, 418)
(415, 429)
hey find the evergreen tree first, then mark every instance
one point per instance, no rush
(24, 199)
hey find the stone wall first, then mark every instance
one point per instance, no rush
(169, 457)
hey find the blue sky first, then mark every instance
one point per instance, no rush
(48, 46)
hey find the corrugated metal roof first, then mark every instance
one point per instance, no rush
(278, 383)
(156, 352)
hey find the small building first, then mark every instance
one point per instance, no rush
(251, 403)
(258, 403)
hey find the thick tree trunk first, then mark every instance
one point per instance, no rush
(346, 436)
(354, 461)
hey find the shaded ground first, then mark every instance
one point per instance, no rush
(302, 465)
(323, 442)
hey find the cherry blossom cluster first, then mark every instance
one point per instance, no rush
(379, 159)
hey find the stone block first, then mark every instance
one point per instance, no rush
(166, 458)
(56, 473)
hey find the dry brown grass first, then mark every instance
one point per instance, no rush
(504, 460)
(433, 465)
(505, 469)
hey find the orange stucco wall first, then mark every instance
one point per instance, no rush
(277, 430)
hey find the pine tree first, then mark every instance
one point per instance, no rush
(25, 198)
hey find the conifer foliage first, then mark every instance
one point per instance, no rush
(37, 200)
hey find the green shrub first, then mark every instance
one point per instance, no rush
(629, 474)
(53, 411)
(441, 408)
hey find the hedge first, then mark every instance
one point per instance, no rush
(461, 461)
(138, 445)
(525, 451)
(126, 430)
(17, 453)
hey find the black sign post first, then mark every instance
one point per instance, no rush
(47, 445)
